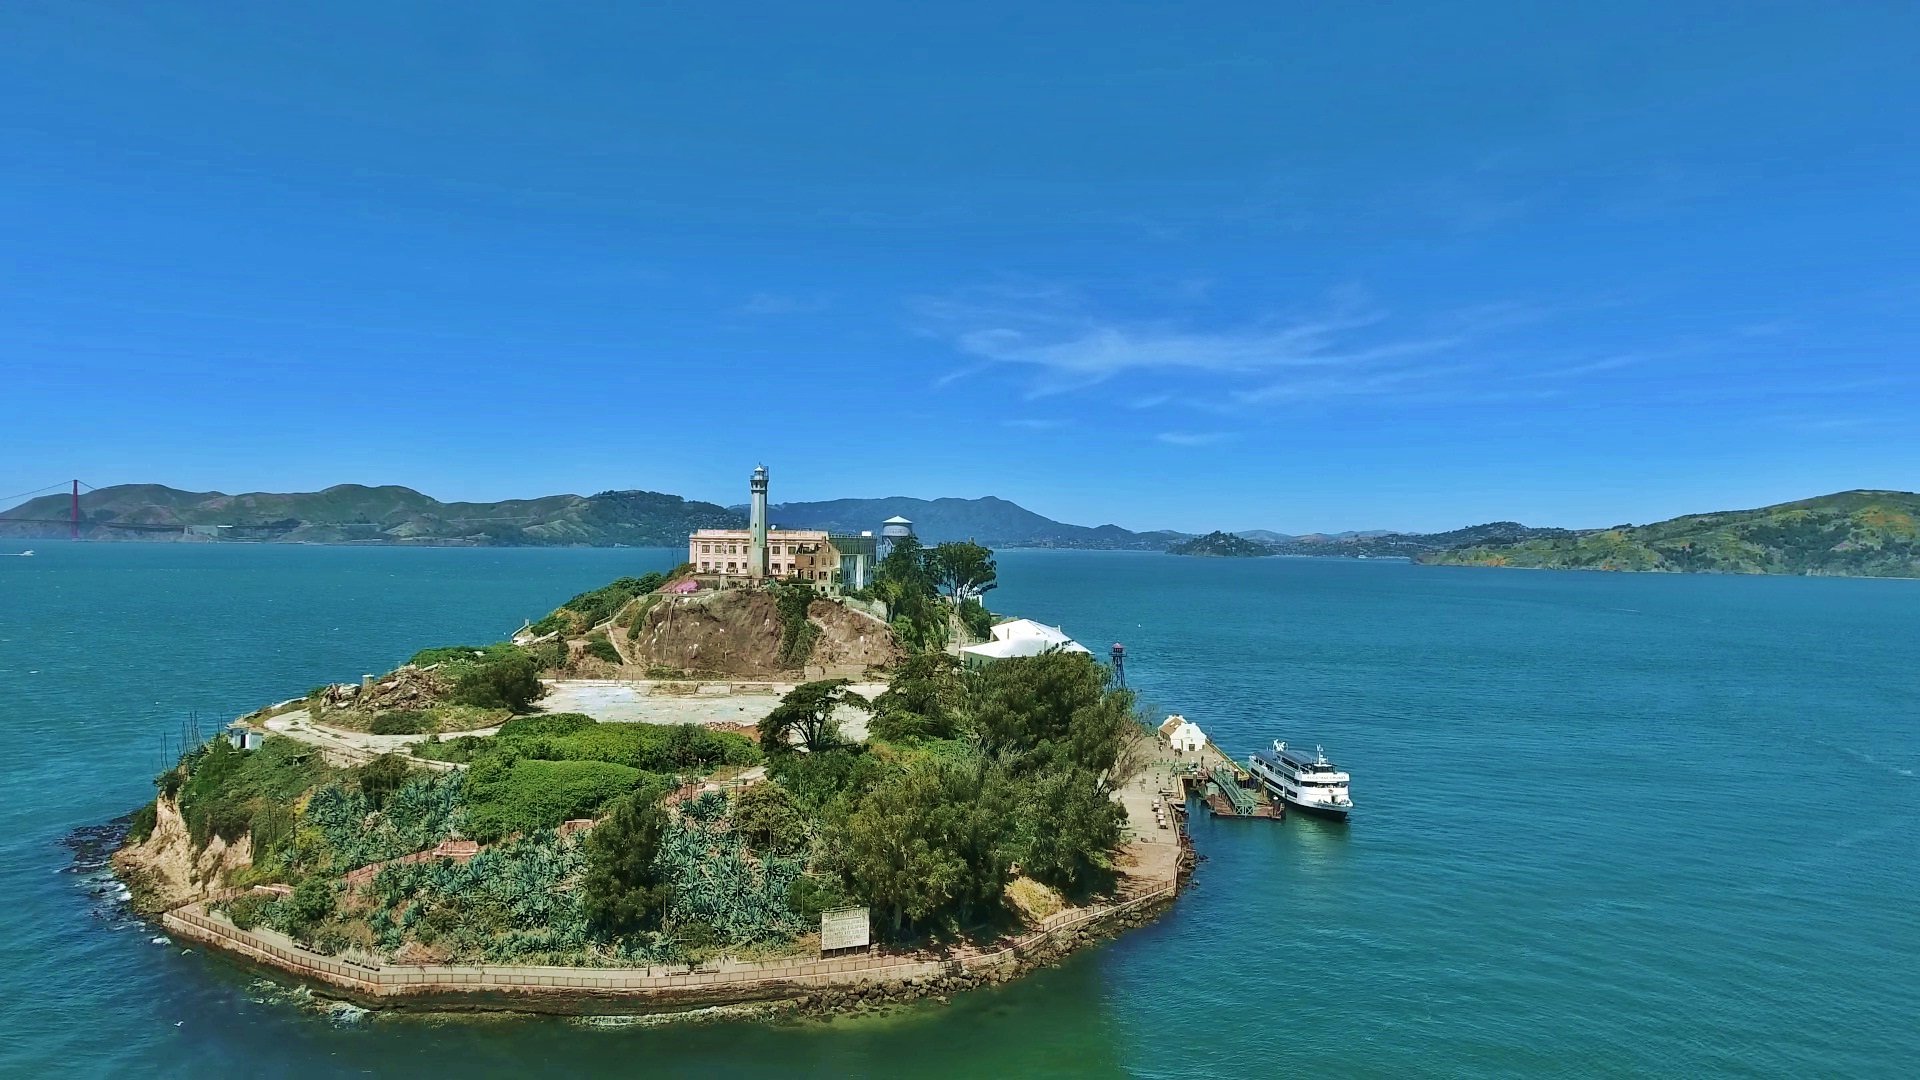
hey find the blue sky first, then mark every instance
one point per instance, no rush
(1282, 265)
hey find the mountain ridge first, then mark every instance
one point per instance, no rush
(1864, 532)
(394, 514)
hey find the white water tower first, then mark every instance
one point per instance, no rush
(892, 531)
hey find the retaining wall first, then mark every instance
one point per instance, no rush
(583, 989)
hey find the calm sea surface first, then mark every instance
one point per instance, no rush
(1608, 825)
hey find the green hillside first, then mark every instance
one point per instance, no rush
(350, 513)
(1852, 533)
(354, 513)
(1221, 545)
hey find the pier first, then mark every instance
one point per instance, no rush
(1223, 785)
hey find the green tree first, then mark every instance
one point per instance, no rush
(623, 892)
(511, 682)
(963, 570)
(924, 700)
(1052, 711)
(928, 845)
(806, 714)
(310, 905)
(904, 582)
(1071, 825)
(768, 820)
(382, 777)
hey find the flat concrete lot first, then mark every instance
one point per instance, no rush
(647, 702)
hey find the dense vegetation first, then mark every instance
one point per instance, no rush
(590, 609)
(929, 590)
(1856, 533)
(1225, 545)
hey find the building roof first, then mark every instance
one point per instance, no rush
(1184, 730)
(1023, 637)
(896, 520)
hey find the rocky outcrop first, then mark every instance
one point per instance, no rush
(738, 631)
(164, 871)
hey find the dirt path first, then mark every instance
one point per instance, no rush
(648, 701)
(354, 747)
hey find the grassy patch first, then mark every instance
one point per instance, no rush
(507, 797)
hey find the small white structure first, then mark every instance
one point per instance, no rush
(1021, 637)
(1183, 734)
(242, 737)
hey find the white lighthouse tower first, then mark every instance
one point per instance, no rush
(757, 525)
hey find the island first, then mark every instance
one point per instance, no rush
(677, 793)
(1864, 533)
(1221, 545)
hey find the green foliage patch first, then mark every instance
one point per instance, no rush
(591, 608)
(507, 796)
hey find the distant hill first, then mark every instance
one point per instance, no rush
(352, 513)
(1268, 536)
(1383, 544)
(990, 521)
(1852, 533)
(1221, 545)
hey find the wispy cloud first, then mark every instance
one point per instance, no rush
(1049, 334)
(1193, 438)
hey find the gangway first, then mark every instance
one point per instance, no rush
(1242, 800)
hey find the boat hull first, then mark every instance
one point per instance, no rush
(1336, 813)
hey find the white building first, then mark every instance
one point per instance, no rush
(1183, 734)
(1021, 637)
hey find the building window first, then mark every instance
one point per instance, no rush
(706, 549)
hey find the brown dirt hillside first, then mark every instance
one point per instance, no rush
(737, 632)
(163, 870)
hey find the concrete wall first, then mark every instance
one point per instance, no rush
(576, 989)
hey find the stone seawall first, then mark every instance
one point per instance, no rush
(830, 983)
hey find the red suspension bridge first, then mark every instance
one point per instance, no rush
(72, 520)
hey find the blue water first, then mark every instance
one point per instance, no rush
(1609, 824)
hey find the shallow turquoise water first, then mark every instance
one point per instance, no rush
(1609, 824)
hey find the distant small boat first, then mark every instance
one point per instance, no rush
(20, 554)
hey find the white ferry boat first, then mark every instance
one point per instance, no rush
(1305, 779)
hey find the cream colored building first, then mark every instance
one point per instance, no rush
(805, 554)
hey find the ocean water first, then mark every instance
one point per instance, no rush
(1608, 824)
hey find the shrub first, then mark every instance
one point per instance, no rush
(401, 722)
(446, 654)
(545, 724)
(248, 909)
(649, 747)
(592, 608)
(141, 826)
(600, 648)
(532, 794)
(797, 632)
(381, 777)
(509, 682)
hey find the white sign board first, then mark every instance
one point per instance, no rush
(844, 928)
